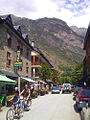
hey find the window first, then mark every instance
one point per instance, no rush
(27, 54)
(19, 68)
(8, 58)
(20, 47)
(9, 40)
(27, 67)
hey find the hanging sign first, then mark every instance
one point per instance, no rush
(18, 60)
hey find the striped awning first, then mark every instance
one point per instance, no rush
(6, 80)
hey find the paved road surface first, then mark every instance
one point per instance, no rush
(52, 107)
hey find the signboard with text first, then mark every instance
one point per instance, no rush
(18, 62)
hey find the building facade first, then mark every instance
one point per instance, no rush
(37, 60)
(87, 57)
(13, 41)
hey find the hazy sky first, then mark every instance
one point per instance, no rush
(74, 12)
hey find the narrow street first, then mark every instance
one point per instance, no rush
(52, 107)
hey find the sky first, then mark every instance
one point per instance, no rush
(73, 12)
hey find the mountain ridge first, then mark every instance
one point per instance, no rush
(58, 42)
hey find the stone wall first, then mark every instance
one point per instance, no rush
(13, 50)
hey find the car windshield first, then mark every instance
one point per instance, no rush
(66, 86)
(78, 89)
(55, 88)
(85, 92)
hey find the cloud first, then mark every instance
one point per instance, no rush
(74, 12)
(17, 7)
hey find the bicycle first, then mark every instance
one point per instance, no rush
(13, 112)
(26, 105)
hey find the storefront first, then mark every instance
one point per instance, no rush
(5, 85)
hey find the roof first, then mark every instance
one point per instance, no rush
(17, 29)
(25, 36)
(86, 37)
(7, 18)
(37, 50)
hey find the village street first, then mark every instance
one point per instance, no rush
(52, 107)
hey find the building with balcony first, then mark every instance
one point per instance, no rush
(15, 51)
(87, 57)
(37, 59)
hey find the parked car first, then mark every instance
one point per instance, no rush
(73, 87)
(83, 96)
(76, 91)
(59, 87)
(55, 89)
(66, 88)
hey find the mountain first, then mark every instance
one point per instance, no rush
(79, 31)
(58, 42)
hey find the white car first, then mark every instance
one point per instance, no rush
(66, 88)
(55, 89)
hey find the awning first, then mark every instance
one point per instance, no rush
(38, 80)
(9, 73)
(42, 82)
(6, 80)
(28, 79)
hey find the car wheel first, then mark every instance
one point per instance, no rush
(82, 115)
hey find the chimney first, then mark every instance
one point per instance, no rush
(33, 43)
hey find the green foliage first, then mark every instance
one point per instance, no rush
(48, 74)
(45, 72)
(55, 77)
(70, 75)
(77, 74)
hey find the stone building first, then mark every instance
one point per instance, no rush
(87, 57)
(13, 44)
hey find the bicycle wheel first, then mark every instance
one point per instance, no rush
(30, 102)
(10, 114)
(22, 108)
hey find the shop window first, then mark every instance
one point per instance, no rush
(9, 40)
(8, 58)
(27, 67)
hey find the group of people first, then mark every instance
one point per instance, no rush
(16, 99)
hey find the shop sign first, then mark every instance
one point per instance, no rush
(18, 62)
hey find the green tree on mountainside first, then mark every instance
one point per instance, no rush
(70, 75)
(77, 74)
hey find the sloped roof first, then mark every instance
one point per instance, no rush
(17, 29)
(86, 37)
(37, 50)
(7, 18)
(25, 36)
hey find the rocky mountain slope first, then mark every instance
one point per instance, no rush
(59, 43)
(79, 31)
